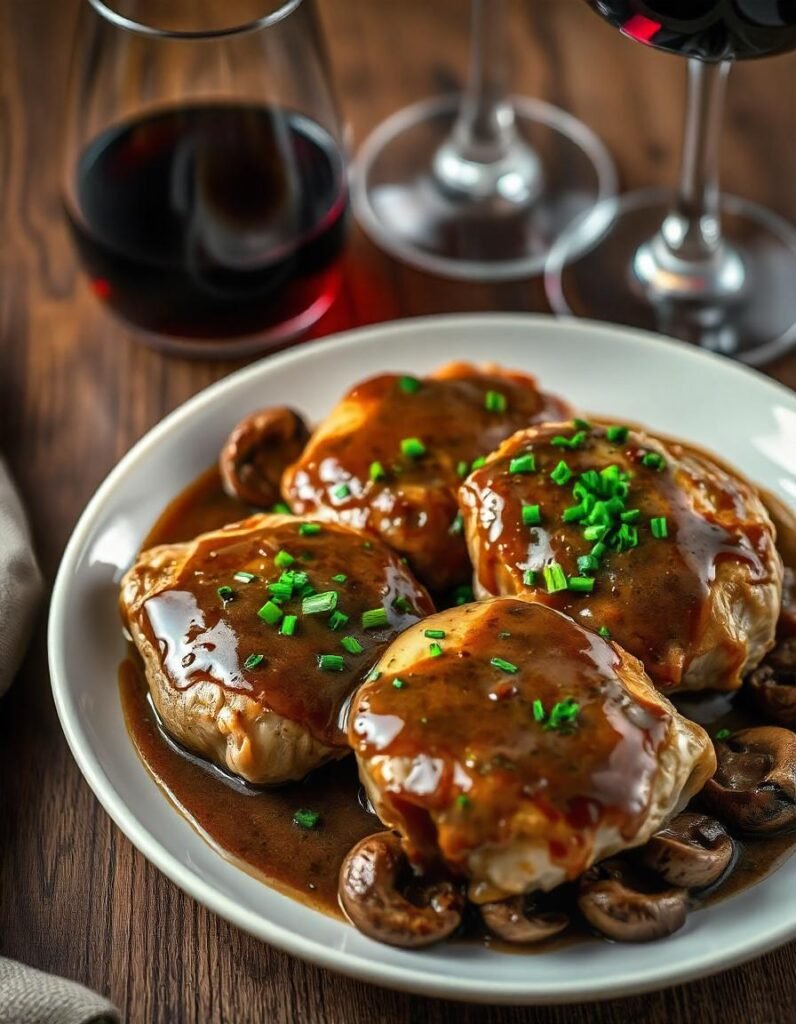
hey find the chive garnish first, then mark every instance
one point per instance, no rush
(434, 650)
(616, 434)
(588, 563)
(554, 577)
(283, 560)
(306, 819)
(341, 491)
(503, 665)
(315, 604)
(523, 464)
(576, 441)
(632, 515)
(374, 675)
(604, 632)
(280, 508)
(574, 514)
(581, 584)
(253, 660)
(226, 594)
(723, 734)
(340, 577)
(562, 714)
(331, 662)
(434, 634)
(462, 469)
(309, 529)
(352, 645)
(375, 618)
(531, 515)
(398, 684)
(538, 711)
(653, 460)
(495, 401)
(288, 626)
(463, 801)
(463, 594)
(413, 448)
(561, 474)
(401, 604)
(409, 385)
(337, 620)
(244, 577)
(377, 471)
(270, 613)
(478, 463)
(581, 424)
(281, 591)
(529, 577)
(659, 527)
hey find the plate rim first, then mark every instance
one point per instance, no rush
(523, 992)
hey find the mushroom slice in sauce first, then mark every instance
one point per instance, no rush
(754, 788)
(627, 905)
(670, 553)
(258, 451)
(773, 684)
(517, 747)
(373, 896)
(517, 921)
(693, 851)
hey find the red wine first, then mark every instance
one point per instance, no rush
(709, 29)
(211, 221)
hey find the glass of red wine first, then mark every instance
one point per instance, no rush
(477, 185)
(710, 269)
(205, 183)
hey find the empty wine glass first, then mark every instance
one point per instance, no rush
(204, 180)
(708, 268)
(478, 186)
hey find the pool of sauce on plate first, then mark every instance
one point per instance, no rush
(254, 827)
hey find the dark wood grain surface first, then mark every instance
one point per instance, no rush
(76, 392)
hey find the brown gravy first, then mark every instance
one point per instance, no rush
(254, 827)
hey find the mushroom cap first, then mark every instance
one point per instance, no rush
(773, 685)
(257, 452)
(693, 851)
(624, 904)
(370, 877)
(516, 921)
(754, 788)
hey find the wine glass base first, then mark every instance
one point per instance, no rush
(403, 207)
(605, 280)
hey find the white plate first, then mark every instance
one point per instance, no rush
(741, 415)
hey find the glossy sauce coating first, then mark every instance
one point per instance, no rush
(479, 756)
(411, 501)
(653, 597)
(205, 636)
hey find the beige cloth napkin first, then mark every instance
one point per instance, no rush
(27, 996)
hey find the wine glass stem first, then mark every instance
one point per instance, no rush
(688, 257)
(483, 156)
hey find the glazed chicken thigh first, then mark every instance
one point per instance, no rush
(652, 543)
(254, 636)
(517, 747)
(391, 455)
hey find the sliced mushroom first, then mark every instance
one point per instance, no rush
(693, 851)
(369, 891)
(626, 904)
(754, 788)
(518, 921)
(772, 685)
(258, 451)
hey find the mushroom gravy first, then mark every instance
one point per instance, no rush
(254, 827)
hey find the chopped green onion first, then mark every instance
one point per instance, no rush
(626, 537)
(281, 591)
(463, 594)
(595, 532)
(309, 529)
(270, 613)
(226, 594)
(331, 662)
(244, 577)
(495, 401)
(538, 711)
(434, 650)
(588, 563)
(581, 584)
(253, 660)
(463, 801)
(462, 469)
(563, 714)
(409, 385)
(375, 618)
(604, 632)
(653, 460)
(434, 634)
(478, 463)
(341, 491)
(562, 474)
(616, 434)
(318, 603)
(659, 527)
(573, 514)
(337, 620)
(554, 577)
(288, 626)
(598, 550)
(374, 675)
(529, 577)
(723, 734)
(503, 665)
(457, 525)
(581, 424)
(523, 464)
(398, 684)
(339, 577)
(576, 441)
(280, 508)
(306, 819)
(531, 515)
(283, 560)
(377, 471)
(413, 447)
(352, 645)
(632, 515)
(401, 604)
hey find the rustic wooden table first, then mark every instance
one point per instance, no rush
(76, 392)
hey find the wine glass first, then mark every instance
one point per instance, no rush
(204, 180)
(478, 186)
(711, 269)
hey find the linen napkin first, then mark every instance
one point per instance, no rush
(28, 996)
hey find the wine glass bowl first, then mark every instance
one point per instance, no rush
(204, 179)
